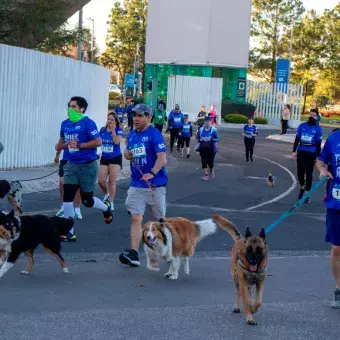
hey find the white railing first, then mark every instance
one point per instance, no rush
(270, 99)
(34, 91)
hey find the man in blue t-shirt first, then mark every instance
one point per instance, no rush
(120, 111)
(308, 146)
(79, 134)
(175, 123)
(129, 114)
(146, 150)
(329, 166)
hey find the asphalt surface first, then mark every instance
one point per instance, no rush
(101, 299)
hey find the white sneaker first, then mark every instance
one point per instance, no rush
(112, 206)
(106, 198)
(60, 213)
(78, 215)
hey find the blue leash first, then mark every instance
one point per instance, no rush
(297, 205)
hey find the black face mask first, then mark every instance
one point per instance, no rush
(311, 121)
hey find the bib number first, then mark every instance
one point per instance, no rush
(73, 149)
(306, 139)
(138, 152)
(107, 148)
(336, 192)
(160, 117)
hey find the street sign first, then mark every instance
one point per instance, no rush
(129, 80)
(282, 71)
(241, 91)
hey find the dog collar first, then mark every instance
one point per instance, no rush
(259, 271)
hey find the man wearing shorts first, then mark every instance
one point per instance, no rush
(146, 150)
(80, 136)
(330, 156)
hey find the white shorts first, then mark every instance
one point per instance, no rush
(139, 198)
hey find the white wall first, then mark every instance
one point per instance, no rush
(34, 91)
(198, 32)
(193, 92)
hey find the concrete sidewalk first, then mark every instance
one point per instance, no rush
(46, 178)
(101, 299)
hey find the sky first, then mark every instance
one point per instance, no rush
(99, 10)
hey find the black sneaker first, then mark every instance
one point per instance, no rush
(251, 160)
(130, 257)
(301, 193)
(308, 200)
(68, 238)
(108, 216)
(336, 302)
(188, 156)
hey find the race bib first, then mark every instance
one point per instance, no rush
(160, 117)
(336, 191)
(107, 148)
(307, 139)
(73, 149)
(138, 151)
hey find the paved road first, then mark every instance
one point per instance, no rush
(101, 299)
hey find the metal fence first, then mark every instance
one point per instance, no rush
(270, 99)
(34, 91)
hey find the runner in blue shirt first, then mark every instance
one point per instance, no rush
(175, 123)
(185, 135)
(308, 146)
(111, 159)
(330, 156)
(120, 111)
(80, 136)
(146, 150)
(129, 114)
(249, 132)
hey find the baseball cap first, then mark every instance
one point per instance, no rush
(185, 116)
(142, 109)
(207, 119)
(177, 107)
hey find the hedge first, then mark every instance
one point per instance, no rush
(114, 96)
(260, 120)
(236, 118)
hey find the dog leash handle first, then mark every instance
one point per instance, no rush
(296, 206)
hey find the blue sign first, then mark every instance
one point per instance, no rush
(129, 80)
(282, 71)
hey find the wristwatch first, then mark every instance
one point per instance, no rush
(152, 173)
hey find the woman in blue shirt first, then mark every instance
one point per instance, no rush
(111, 159)
(249, 132)
(207, 137)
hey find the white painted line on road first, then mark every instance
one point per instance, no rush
(278, 198)
(253, 177)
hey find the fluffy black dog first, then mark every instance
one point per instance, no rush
(34, 230)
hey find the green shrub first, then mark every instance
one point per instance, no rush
(235, 118)
(114, 96)
(113, 104)
(260, 120)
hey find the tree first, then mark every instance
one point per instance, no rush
(127, 28)
(271, 19)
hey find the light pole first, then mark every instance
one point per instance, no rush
(92, 41)
(80, 29)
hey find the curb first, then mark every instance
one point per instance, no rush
(288, 138)
(240, 126)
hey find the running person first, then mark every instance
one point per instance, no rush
(120, 111)
(207, 137)
(201, 117)
(111, 159)
(330, 156)
(146, 150)
(175, 123)
(129, 114)
(159, 118)
(77, 201)
(185, 135)
(249, 132)
(308, 145)
(80, 136)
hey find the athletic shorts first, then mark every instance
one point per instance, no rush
(184, 141)
(61, 168)
(82, 175)
(333, 227)
(116, 160)
(139, 198)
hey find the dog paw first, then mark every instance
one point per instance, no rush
(65, 270)
(251, 322)
(171, 276)
(154, 269)
(236, 310)
(24, 272)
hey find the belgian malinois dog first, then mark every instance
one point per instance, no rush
(248, 267)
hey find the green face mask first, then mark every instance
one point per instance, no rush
(75, 116)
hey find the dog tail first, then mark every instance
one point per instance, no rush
(64, 225)
(205, 228)
(228, 226)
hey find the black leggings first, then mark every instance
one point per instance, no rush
(249, 144)
(284, 126)
(70, 191)
(159, 127)
(305, 167)
(173, 135)
(207, 157)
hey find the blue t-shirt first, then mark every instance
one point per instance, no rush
(186, 130)
(249, 130)
(65, 155)
(309, 136)
(330, 155)
(109, 148)
(120, 111)
(176, 120)
(144, 146)
(83, 131)
(206, 138)
(129, 111)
